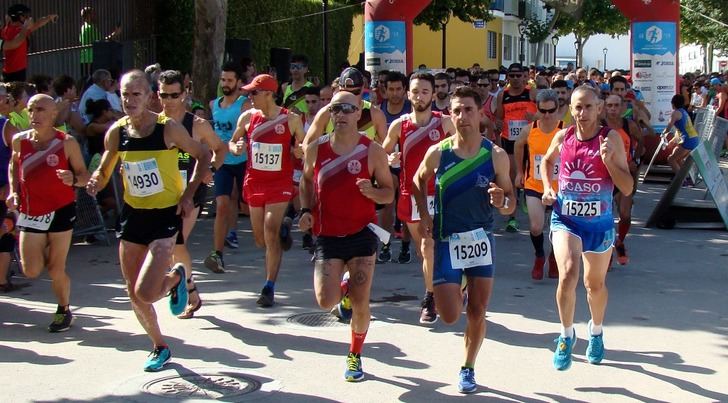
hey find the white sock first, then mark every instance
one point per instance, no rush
(567, 331)
(594, 330)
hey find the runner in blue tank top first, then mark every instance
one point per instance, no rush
(471, 180)
(592, 161)
(686, 137)
(225, 113)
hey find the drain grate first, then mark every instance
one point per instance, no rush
(209, 385)
(316, 319)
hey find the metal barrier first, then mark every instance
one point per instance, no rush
(89, 220)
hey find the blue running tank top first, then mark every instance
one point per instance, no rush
(685, 126)
(462, 202)
(224, 121)
(407, 108)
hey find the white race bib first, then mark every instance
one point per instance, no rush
(297, 174)
(575, 208)
(183, 173)
(267, 157)
(143, 178)
(537, 169)
(39, 222)
(470, 249)
(430, 207)
(514, 128)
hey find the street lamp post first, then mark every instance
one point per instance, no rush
(522, 26)
(555, 41)
(576, 46)
(605, 50)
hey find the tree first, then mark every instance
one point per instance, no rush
(697, 28)
(438, 13)
(538, 30)
(209, 45)
(597, 17)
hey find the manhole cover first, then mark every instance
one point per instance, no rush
(202, 386)
(316, 319)
(197, 385)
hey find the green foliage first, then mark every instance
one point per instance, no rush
(695, 28)
(537, 30)
(598, 17)
(257, 23)
(438, 12)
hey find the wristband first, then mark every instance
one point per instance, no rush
(75, 179)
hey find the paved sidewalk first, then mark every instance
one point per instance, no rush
(666, 332)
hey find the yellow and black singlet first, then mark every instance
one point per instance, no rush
(149, 169)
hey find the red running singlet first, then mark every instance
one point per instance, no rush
(41, 192)
(269, 149)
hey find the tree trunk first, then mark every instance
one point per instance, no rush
(208, 46)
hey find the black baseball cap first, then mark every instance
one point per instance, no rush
(351, 77)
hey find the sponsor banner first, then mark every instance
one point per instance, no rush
(385, 46)
(654, 69)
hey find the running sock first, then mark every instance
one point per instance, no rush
(218, 252)
(468, 365)
(270, 284)
(537, 242)
(567, 331)
(357, 342)
(595, 330)
(623, 229)
(405, 245)
(62, 309)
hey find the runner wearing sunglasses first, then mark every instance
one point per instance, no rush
(295, 91)
(533, 144)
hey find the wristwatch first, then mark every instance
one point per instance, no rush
(213, 169)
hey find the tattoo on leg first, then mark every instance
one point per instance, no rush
(359, 278)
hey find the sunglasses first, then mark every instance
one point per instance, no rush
(481, 85)
(355, 91)
(344, 108)
(516, 75)
(256, 92)
(311, 102)
(167, 95)
(545, 111)
(297, 66)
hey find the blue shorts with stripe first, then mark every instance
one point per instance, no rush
(443, 272)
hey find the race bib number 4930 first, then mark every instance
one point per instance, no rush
(470, 249)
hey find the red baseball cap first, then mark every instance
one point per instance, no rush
(264, 82)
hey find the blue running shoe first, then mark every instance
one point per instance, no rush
(231, 240)
(595, 349)
(467, 381)
(178, 294)
(353, 371)
(562, 355)
(157, 359)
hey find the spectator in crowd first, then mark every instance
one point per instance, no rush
(43, 84)
(89, 34)
(18, 98)
(102, 82)
(69, 119)
(7, 239)
(15, 40)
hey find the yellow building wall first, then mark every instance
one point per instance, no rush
(465, 44)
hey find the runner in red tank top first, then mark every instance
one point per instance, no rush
(415, 133)
(49, 165)
(337, 185)
(267, 132)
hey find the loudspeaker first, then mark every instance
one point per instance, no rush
(280, 60)
(236, 49)
(108, 55)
